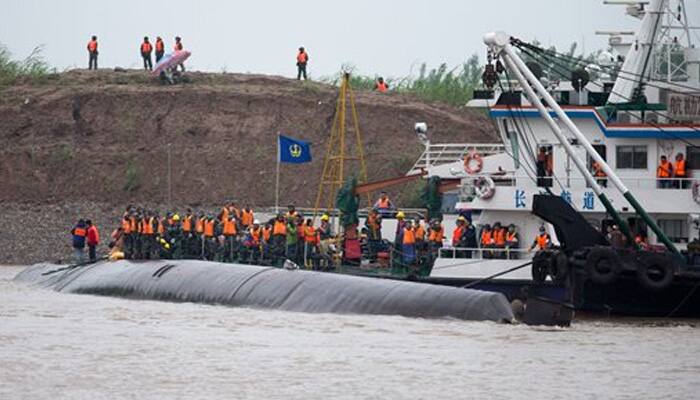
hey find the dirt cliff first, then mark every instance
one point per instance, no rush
(101, 139)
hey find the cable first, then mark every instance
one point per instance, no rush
(659, 128)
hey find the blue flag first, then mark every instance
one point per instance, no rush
(293, 151)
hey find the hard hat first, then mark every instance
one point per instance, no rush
(176, 217)
(461, 218)
(256, 222)
(400, 214)
(325, 217)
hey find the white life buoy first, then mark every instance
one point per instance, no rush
(484, 187)
(473, 163)
(696, 191)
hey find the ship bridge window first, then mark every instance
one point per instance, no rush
(631, 157)
(675, 229)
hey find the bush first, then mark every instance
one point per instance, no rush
(32, 68)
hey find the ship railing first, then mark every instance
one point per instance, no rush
(512, 179)
(445, 153)
(478, 253)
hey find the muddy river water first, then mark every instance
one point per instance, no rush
(55, 345)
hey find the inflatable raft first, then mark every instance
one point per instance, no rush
(271, 288)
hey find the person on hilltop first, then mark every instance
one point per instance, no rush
(92, 51)
(178, 47)
(160, 48)
(302, 61)
(381, 86)
(146, 50)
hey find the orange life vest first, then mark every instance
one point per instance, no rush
(280, 228)
(146, 47)
(267, 232)
(382, 87)
(499, 237)
(664, 170)
(302, 57)
(247, 218)
(229, 228)
(420, 233)
(147, 226)
(160, 46)
(680, 169)
(457, 235)
(133, 225)
(409, 236)
(126, 226)
(223, 215)
(310, 235)
(80, 232)
(187, 224)
(199, 226)
(435, 235)
(511, 237)
(542, 241)
(384, 203)
(486, 238)
(92, 46)
(255, 234)
(209, 228)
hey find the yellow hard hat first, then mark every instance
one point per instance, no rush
(325, 217)
(176, 217)
(400, 214)
(461, 218)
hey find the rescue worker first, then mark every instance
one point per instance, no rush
(542, 241)
(92, 53)
(93, 239)
(199, 243)
(148, 231)
(125, 235)
(279, 240)
(599, 174)
(663, 172)
(310, 242)
(383, 204)
(511, 242)
(160, 48)
(291, 212)
(247, 217)
(324, 231)
(174, 237)
(381, 86)
(487, 241)
(230, 231)
(254, 242)
(400, 224)
(178, 47)
(419, 231)
(266, 241)
(79, 233)
(470, 240)
(680, 172)
(291, 240)
(499, 240)
(408, 248)
(146, 50)
(210, 246)
(302, 61)
(435, 236)
(373, 223)
(187, 224)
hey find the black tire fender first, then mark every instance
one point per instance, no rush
(603, 265)
(655, 272)
(540, 266)
(559, 267)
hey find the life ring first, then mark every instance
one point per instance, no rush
(696, 191)
(603, 265)
(473, 163)
(655, 272)
(484, 187)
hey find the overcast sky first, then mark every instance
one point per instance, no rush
(377, 36)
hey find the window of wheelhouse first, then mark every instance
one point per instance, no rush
(675, 229)
(544, 165)
(692, 157)
(631, 157)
